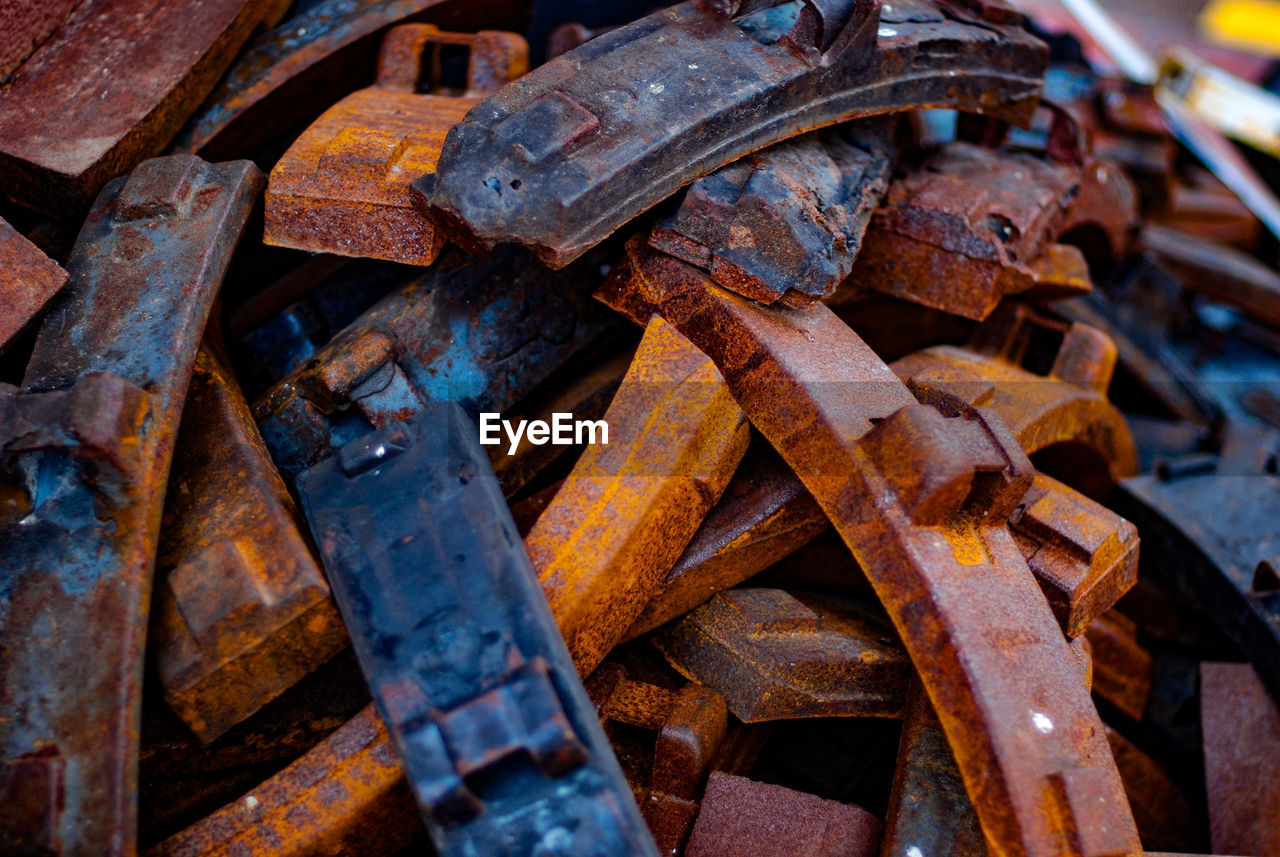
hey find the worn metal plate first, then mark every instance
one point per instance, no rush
(28, 281)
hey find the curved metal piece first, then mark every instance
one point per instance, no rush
(922, 501)
(85, 448)
(567, 154)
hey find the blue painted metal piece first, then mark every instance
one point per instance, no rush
(85, 446)
(502, 748)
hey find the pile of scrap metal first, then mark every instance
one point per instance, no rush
(899, 332)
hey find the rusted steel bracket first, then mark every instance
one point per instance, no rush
(764, 516)
(482, 701)
(1241, 724)
(84, 456)
(973, 225)
(785, 223)
(922, 501)
(292, 73)
(482, 332)
(745, 818)
(1121, 667)
(345, 796)
(1210, 530)
(630, 506)
(776, 656)
(242, 609)
(691, 725)
(28, 281)
(111, 88)
(577, 147)
(343, 186)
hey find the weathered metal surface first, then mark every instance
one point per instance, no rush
(85, 455)
(482, 332)
(343, 186)
(967, 227)
(691, 723)
(1241, 724)
(777, 656)
(785, 223)
(242, 610)
(626, 512)
(346, 797)
(1083, 555)
(1218, 271)
(27, 24)
(585, 394)
(1121, 666)
(742, 817)
(290, 74)
(28, 281)
(582, 144)
(1211, 532)
(764, 515)
(1164, 816)
(1046, 379)
(929, 810)
(502, 748)
(922, 502)
(110, 89)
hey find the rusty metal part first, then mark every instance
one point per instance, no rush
(1046, 379)
(1121, 666)
(343, 186)
(929, 810)
(84, 457)
(1241, 724)
(585, 393)
(110, 89)
(764, 516)
(27, 24)
(1210, 532)
(972, 225)
(242, 609)
(922, 502)
(1083, 555)
(498, 738)
(346, 797)
(482, 332)
(1162, 812)
(691, 723)
(288, 75)
(1218, 271)
(577, 147)
(774, 655)
(28, 281)
(785, 223)
(741, 817)
(1202, 205)
(626, 512)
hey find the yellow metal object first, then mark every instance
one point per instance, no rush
(1252, 25)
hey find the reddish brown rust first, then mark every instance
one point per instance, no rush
(1241, 727)
(1083, 555)
(1122, 669)
(289, 75)
(971, 226)
(922, 502)
(764, 515)
(347, 797)
(242, 610)
(343, 186)
(691, 723)
(111, 88)
(28, 280)
(99, 408)
(27, 23)
(1162, 812)
(1218, 271)
(629, 508)
(745, 818)
(777, 656)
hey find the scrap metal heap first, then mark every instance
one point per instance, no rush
(930, 499)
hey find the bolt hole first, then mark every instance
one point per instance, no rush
(515, 184)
